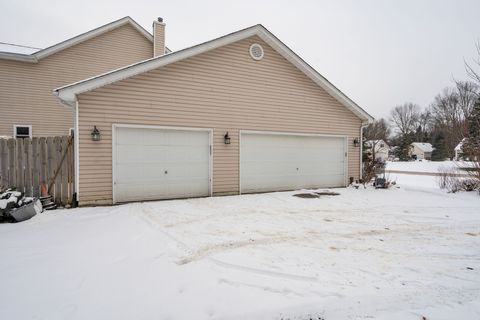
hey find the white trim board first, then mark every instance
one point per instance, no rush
(288, 133)
(68, 93)
(15, 126)
(76, 149)
(34, 57)
(141, 126)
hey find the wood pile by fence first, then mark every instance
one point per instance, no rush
(27, 164)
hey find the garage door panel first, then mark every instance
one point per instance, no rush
(272, 162)
(161, 163)
(149, 153)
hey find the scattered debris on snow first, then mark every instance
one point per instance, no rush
(14, 206)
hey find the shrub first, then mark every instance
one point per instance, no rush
(448, 180)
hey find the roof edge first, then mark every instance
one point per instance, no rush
(92, 34)
(43, 53)
(68, 93)
(18, 57)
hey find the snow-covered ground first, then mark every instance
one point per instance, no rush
(414, 181)
(403, 253)
(426, 166)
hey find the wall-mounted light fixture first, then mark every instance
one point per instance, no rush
(226, 138)
(96, 136)
(356, 142)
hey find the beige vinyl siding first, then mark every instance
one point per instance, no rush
(224, 89)
(26, 88)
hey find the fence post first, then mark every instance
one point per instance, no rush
(50, 164)
(3, 163)
(11, 163)
(43, 161)
(27, 145)
(35, 167)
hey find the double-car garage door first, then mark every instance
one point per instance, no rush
(273, 162)
(162, 163)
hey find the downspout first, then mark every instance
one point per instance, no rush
(76, 153)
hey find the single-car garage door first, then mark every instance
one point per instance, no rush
(272, 162)
(151, 163)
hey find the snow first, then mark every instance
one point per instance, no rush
(459, 146)
(424, 146)
(402, 253)
(15, 48)
(414, 181)
(3, 203)
(426, 166)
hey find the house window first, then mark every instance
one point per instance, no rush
(382, 145)
(22, 131)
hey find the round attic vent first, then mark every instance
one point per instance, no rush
(256, 51)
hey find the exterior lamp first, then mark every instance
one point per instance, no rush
(356, 142)
(96, 136)
(226, 138)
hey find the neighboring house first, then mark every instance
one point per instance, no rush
(459, 150)
(421, 151)
(239, 114)
(28, 75)
(378, 147)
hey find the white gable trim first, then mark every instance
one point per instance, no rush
(76, 40)
(18, 57)
(68, 93)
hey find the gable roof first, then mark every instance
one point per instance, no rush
(377, 143)
(459, 146)
(68, 93)
(424, 146)
(43, 53)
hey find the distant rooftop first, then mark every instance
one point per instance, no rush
(424, 146)
(16, 48)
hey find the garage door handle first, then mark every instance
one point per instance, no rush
(166, 171)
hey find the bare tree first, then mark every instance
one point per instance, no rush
(474, 74)
(374, 133)
(468, 93)
(405, 117)
(450, 111)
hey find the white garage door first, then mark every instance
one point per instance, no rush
(160, 164)
(273, 162)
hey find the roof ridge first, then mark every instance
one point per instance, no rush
(35, 56)
(68, 93)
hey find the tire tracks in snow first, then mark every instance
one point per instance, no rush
(148, 215)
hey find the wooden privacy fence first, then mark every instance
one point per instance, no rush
(30, 163)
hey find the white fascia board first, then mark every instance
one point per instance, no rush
(68, 93)
(34, 57)
(294, 59)
(91, 34)
(18, 57)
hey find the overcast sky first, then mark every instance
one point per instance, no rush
(380, 53)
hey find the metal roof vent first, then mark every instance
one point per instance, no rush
(256, 51)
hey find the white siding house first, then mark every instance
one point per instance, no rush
(421, 150)
(378, 147)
